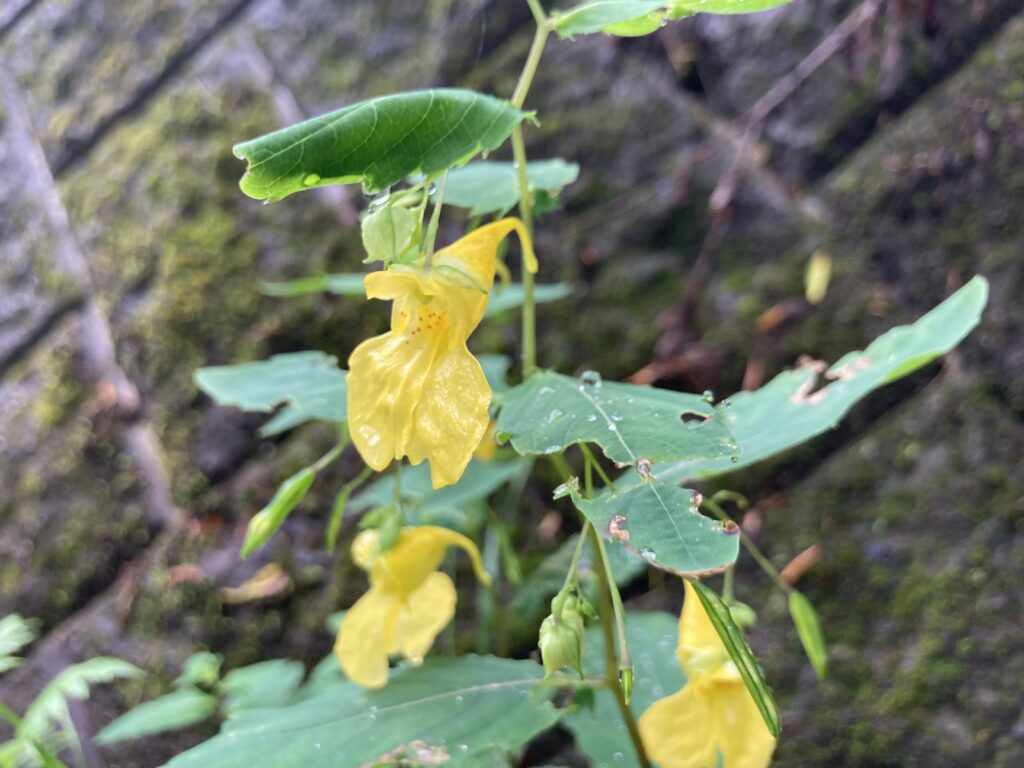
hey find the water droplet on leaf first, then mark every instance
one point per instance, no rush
(591, 379)
(709, 396)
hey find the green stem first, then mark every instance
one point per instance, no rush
(321, 463)
(611, 665)
(435, 219)
(525, 206)
(751, 547)
(592, 461)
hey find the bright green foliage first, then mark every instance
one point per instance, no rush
(808, 628)
(178, 709)
(661, 523)
(309, 384)
(377, 142)
(452, 505)
(549, 412)
(265, 523)
(389, 232)
(266, 684)
(503, 298)
(631, 18)
(15, 633)
(510, 296)
(786, 411)
(342, 284)
(447, 710)
(598, 730)
(201, 669)
(491, 187)
(742, 656)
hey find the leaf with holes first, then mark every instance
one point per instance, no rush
(789, 411)
(599, 731)
(449, 710)
(309, 384)
(377, 142)
(549, 412)
(491, 187)
(661, 523)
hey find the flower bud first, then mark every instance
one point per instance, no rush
(561, 641)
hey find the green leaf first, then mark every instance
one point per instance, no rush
(549, 412)
(631, 18)
(782, 414)
(492, 187)
(179, 709)
(588, 18)
(388, 232)
(342, 284)
(50, 706)
(808, 628)
(599, 731)
(15, 633)
(265, 523)
(495, 369)
(742, 656)
(661, 523)
(377, 142)
(449, 505)
(309, 384)
(201, 669)
(511, 296)
(449, 709)
(266, 684)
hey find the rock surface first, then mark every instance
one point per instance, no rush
(889, 135)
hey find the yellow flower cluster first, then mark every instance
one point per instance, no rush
(409, 601)
(416, 390)
(713, 717)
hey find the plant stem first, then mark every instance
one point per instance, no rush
(751, 547)
(525, 210)
(611, 665)
(328, 457)
(435, 219)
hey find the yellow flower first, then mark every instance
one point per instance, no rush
(416, 391)
(409, 602)
(713, 714)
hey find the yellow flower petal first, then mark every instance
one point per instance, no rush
(419, 551)
(690, 728)
(714, 714)
(427, 611)
(365, 635)
(416, 391)
(698, 639)
(451, 418)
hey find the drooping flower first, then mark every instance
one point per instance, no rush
(416, 390)
(408, 604)
(713, 714)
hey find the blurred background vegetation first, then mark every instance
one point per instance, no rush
(717, 156)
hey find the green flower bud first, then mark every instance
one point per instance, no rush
(743, 615)
(561, 641)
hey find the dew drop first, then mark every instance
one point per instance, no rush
(618, 757)
(616, 417)
(546, 391)
(709, 396)
(463, 747)
(553, 449)
(592, 417)
(317, 745)
(555, 415)
(432, 189)
(648, 554)
(459, 699)
(591, 379)
(612, 428)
